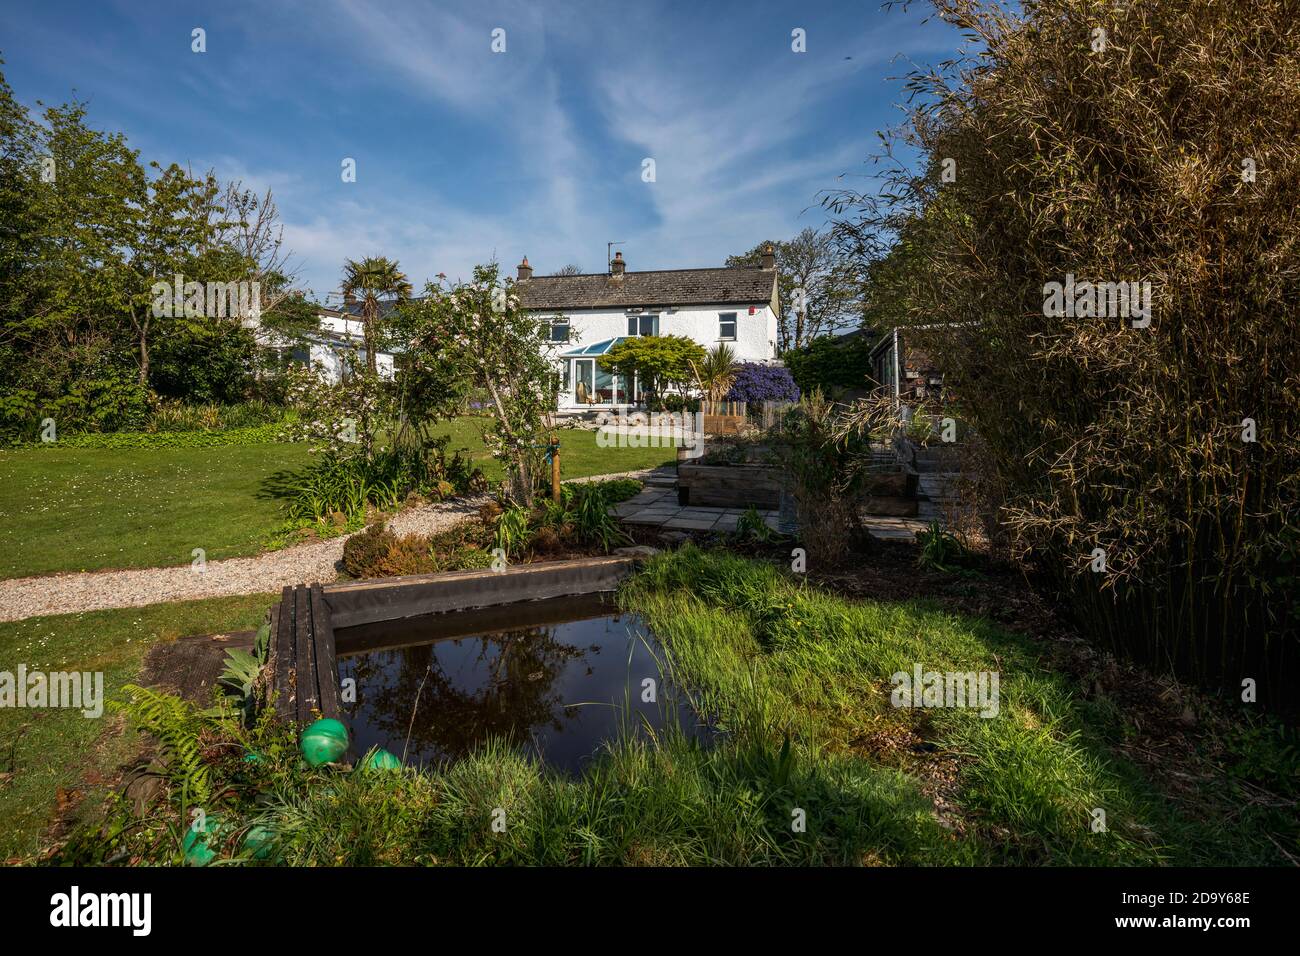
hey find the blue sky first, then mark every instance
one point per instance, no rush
(462, 154)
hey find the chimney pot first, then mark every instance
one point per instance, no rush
(617, 266)
(525, 270)
(769, 257)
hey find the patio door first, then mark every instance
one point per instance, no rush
(584, 381)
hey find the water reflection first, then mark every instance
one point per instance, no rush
(560, 682)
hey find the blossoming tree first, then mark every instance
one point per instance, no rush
(480, 329)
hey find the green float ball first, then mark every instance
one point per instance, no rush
(198, 844)
(260, 842)
(324, 742)
(380, 759)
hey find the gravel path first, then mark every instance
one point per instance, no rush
(136, 587)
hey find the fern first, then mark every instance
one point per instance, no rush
(177, 727)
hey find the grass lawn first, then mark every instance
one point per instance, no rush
(83, 509)
(44, 753)
(580, 456)
(66, 509)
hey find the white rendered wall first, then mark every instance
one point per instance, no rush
(755, 339)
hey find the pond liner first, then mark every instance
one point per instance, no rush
(304, 659)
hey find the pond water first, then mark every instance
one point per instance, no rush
(557, 678)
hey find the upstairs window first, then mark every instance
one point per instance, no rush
(646, 324)
(727, 326)
(559, 331)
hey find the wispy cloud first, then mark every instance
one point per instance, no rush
(464, 154)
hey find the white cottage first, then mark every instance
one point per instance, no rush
(736, 305)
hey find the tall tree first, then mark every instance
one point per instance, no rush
(818, 288)
(175, 224)
(372, 280)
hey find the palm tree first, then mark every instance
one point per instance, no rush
(372, 279)
(714, 375)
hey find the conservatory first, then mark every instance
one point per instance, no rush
(584, 384)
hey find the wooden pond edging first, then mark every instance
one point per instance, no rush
(304, 672)
(303, 655)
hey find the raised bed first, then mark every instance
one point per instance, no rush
(729, 486)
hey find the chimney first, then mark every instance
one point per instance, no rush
(525, 270)
(769, 257)
(616, 266)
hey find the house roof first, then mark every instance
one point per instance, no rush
(729, 285)
(737, 285)
(353, 310)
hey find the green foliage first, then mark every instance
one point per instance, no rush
(658, 360)
(177, 727)
(258, 435)
(115, 402)
(941, 550)
(823, 468)
(754, 643)
(592, 520)
(178, 417)
(751, 526)
(616, 490)
(832, 365)
(513, 532)
(240, 671)
(89, 228)
(1122, 432)
(373, 280)
(480, 332)
(1268, 751)
(714, 375)
(336, 492)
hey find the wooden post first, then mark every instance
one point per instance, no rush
(555, 468)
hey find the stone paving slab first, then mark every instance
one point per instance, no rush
(686, 524)
(668, 514)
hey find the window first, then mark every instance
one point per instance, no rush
(727, 326)
(646, 324)
(559, 331)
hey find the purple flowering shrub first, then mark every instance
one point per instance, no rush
(762, 383)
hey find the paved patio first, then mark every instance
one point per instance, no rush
(656, 506)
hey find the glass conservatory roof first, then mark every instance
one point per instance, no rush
(596, 348)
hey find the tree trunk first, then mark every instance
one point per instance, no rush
(368, 331)
(522, 479)
(142, 331)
